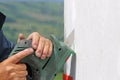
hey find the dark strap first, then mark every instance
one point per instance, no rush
(2, 19)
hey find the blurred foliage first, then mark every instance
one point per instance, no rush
(27, 17)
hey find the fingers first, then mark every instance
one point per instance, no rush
(44, 48)
(19, 71)
(16, 67)
(35, 39)
(19, 74)
(14, 71)
(50, 49)
(21, 67)
(19, 79)
(47, 49)
(20, 55)
(40, 47)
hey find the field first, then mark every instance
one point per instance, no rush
(26, 17)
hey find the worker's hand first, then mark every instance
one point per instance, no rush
(42, 45)
(11, 69)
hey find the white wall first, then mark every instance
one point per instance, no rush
(97, 37)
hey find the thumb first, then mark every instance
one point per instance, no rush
(20, 55)
(20, 37)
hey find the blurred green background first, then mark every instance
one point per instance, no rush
(27, 17)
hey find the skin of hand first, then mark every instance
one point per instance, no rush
(43, 46)
(11, 69)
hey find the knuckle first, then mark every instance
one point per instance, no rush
(34, 43)
(13, 74)
(47, 44)
(50, 51)
(44, 52)
(43, 56)
(35, 33)
(47, 40)
(26, 73)
(10, 69)
(42, 40)
(39, 49)
(23, 79)
(24, 66)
